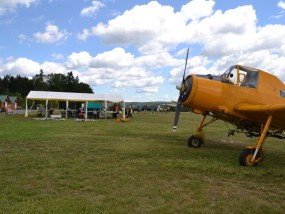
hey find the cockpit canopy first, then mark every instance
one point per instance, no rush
(242, 76)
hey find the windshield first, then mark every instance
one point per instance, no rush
(242, 76)
(228, 72)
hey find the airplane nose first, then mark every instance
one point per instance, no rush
(186, 89)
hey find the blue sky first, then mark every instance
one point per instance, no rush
(137, 48)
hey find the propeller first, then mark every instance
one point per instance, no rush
(180, 101)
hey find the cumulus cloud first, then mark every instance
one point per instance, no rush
(91, 11)
(223, 33)
(197, 9)
(52, 34)
(116, 67)
(195, 65)
(8, 6)
(141, 79)
(281, 4)
(20, 66)
(78, 60)
(162, 29)
(123, 70)
(116, 58)
(147, 26)
(157, 60)
(84, 35)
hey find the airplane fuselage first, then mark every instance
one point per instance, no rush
(218, 98)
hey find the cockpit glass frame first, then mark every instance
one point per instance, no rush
(242, 76)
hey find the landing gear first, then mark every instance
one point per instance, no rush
(246, 157)
(251, 156)
(195, 142)
(198, 137)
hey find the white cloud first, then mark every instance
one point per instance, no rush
(116, 67)
(83, 36)
(281, 4)
(223, 33)
(91, 11)
(116, 58)
(157, 60)
(269, 37)
(145, 85)
(8, 6)
(155, 28)
(195, 65)
(20, 66)
(147, 26)
(197, 9)
(57, 56)
(51, 35)
(78, 60)
(52, 67)
(29, 68)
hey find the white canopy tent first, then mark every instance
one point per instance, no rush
(75, 97)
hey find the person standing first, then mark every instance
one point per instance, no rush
(130, 112)
(158, 109)
(115, 110)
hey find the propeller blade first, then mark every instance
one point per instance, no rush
(177, 113)
(179, 103)
(185, 65)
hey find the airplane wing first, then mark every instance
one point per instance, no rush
(247, 107)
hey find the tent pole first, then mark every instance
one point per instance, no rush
(105, 108)
(86, 110)
(124, 109)
(66, 107)
(46, 108)
(26, 114)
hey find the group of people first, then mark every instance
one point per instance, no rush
(128, 113)
(162, 109)
(93, 113)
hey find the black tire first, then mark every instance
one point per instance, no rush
(245, 156)
(194, 142)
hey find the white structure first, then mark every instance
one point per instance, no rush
(75, 97)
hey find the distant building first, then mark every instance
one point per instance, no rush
(14, 102)
(4, 99)
(9, 101)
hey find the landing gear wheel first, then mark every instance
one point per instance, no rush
(245, 158)
(194, 142)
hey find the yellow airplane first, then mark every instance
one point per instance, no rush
(249, 98)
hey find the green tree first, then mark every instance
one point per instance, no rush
(56, 82)
(40, 82)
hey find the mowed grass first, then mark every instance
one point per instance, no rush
(138, 166)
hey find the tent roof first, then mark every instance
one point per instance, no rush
(79, 97)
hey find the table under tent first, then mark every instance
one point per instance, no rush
(67, 97)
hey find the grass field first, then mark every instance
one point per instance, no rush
(138, 166)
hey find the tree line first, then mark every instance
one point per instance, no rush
(21, 86)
